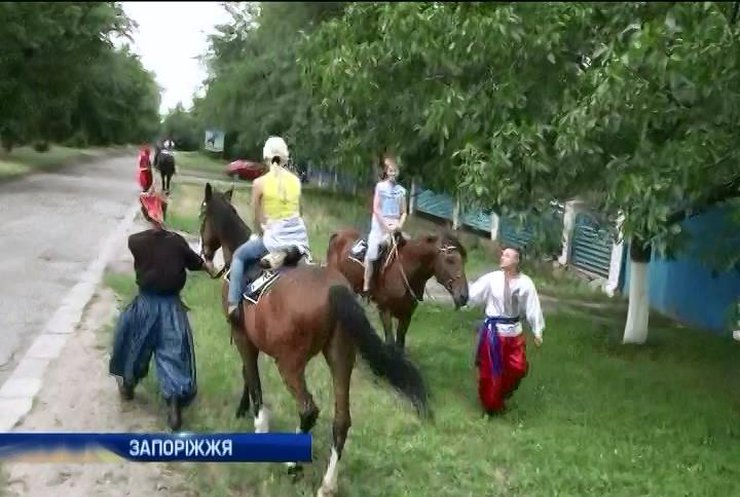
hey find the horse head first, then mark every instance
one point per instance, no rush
(448, 261)
(220, 224)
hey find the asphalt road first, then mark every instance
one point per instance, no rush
(52, 225)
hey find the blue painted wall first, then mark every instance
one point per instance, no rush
(685, 289)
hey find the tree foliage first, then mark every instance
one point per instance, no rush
(631, 106)
(63, 78)
(254, 86)
(183, 127)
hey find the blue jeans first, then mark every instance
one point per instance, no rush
(247, 254)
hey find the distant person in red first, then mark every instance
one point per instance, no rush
(145, 169)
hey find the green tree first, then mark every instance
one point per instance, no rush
(632, 106)
(254, 88)
(183, 127)
(63, 78)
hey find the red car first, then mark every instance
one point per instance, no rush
(246, 170)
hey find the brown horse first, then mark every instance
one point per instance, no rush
(308, 309)
(401, 275)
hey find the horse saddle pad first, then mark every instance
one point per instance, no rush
(260, 285)
(358, 250)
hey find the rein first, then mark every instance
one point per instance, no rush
(394, 248)
(446, 249)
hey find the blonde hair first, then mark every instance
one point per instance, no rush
(276, 153)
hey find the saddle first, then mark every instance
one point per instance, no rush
(266, 272)
(385, 255)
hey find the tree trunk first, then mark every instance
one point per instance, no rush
(638, 311)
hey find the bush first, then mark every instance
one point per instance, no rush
(78, 140)
(42, 146)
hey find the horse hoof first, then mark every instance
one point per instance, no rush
(241, 412)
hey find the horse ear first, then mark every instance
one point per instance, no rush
(208, 192)
(229, 193)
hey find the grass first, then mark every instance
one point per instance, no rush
(592, 418)
(24, 160)
(198, 163)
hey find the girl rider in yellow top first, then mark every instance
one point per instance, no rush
(276, 200)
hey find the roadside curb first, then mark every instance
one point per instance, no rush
(25, 382)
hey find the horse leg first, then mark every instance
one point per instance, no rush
(340, 356)
(252, 383)
(294, 376)
(387, 320)
(403, 326)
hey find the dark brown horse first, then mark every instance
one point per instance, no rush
(308, 310)
(165, 164)
(399, 280)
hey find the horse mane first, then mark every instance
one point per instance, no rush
(227, 222)
(449, 237)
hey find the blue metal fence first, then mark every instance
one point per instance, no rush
(511, 233)
(476, 219)
(591, 247)
(436, 204)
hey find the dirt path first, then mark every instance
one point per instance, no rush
(79, 395)
(53, 223)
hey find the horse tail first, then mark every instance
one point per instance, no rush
(385, 361)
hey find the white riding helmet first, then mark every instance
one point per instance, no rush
(276, 147)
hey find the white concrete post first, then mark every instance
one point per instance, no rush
(615, 264)
(412, 196)
(572, 208)
(456, 213)
(494, 226)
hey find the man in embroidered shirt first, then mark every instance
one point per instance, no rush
(509, 296)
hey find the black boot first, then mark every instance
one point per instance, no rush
(125, 391)
(174, 417)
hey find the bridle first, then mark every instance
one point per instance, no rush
(445, 249)
(448, 249)
(201, 251)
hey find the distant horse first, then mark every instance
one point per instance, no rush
(165, 164)
(292, 313)
(401, 273)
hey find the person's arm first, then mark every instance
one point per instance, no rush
(300, 198)
(376, 208)
(480, 290)
(195, 262)
(257, 206)
(404, 211)
(533, 311)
